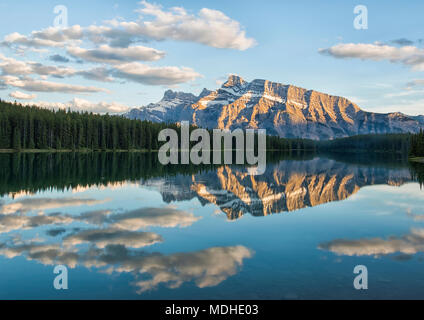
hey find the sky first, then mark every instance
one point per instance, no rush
(110, 56)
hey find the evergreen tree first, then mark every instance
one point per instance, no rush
(16, 139)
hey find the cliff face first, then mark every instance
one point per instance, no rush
(283, 110)
(285, 186)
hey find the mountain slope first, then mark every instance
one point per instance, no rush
(283, 110)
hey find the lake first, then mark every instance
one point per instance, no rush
(127, 227)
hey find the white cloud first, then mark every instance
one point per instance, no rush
(21, 95)
(146, 217)
(209, 27)
(41, 204)
(11, 66)
(74, 32)
(410, 106)
(408, 244)
(123, 67)
(404, 93)
(46, 254)
(149, 75)
(19, 39)
(104, 237)
(108, 54)
(97, 217)
(98, 74)
(30, 84)
(78, 104)
(22, 222)
(50, 37)
(207, 268)
(410, 56)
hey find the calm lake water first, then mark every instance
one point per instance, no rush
(129, 228)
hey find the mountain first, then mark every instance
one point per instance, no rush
(165, 110)
(283, 110)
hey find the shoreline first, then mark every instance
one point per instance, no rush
(417, 159)
(70, 150)
(117, 150)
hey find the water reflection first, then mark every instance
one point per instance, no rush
(403, 247)
(287, 185)
(206, 268)
(409, 244)
(112, 238)
(73, 209)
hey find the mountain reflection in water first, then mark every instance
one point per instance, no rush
(285, 186)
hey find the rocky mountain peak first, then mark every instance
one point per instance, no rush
(204, 93)
(172, 95)
(234, 81)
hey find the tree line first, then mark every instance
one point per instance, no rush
(31, 127)
(369, 143)
(277, 143)
(417, 144)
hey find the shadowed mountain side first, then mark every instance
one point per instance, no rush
(285, 186)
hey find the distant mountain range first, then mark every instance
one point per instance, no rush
(283, 110)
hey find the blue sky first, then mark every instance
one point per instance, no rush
(311, 44)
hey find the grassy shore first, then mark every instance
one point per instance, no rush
(417, 159)
(69, 150)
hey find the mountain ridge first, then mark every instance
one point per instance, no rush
(282, 109)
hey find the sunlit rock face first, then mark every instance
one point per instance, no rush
(283, 110)
(285, 186)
